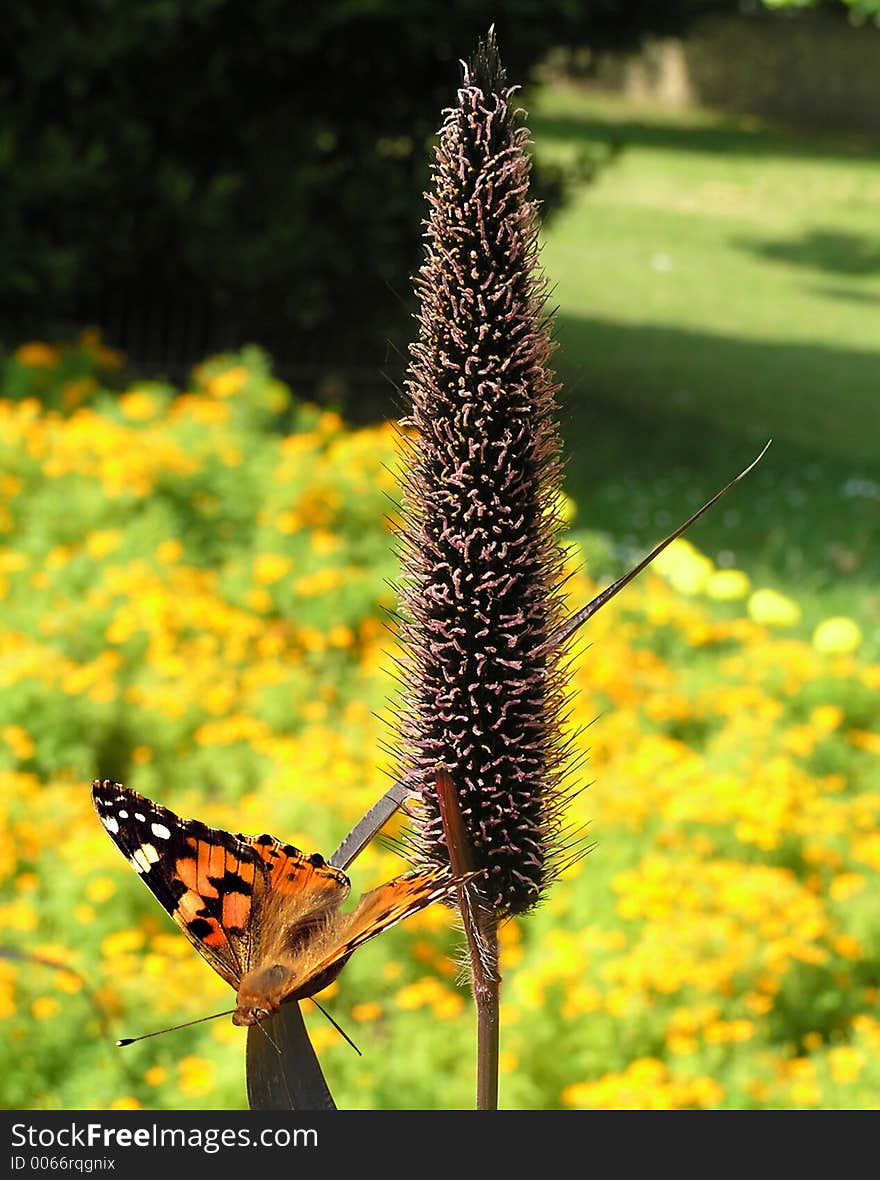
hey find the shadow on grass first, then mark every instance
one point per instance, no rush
(823, 400)
(724, 137)
(847, 294)
(657, 419)
(831, 250)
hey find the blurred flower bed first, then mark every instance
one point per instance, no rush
(193, 591)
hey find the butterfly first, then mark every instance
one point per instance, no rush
(264, 915)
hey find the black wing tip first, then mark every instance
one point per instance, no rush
(102, 791)
(107, 784)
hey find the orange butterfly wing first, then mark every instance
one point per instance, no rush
(220, 889)
(375, 912)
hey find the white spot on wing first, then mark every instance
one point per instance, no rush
(143, 857)
(111, 824)
(160, 831)
(123, 815)
(140, 818)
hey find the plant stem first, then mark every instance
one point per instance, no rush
(486, 980)
(481, 931)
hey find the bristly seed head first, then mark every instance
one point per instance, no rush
(481, 560)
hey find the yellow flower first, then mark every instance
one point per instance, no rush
(155, 1075)
(866, 849)
(845, 885)
(271, 567)
(121, 942)
(447, 1005)
(681, 1044)
(318, 583)
(139, 406)
(68, 983)
(318, 504)
(45, 1006)
(826, 717)
(727, 585)
(288, 522)
(197, 1075)
(323, 1037)
(169, 552)
(100, 889)
(864, 739)
(703, 1092)
(773, 609)
(684, 567)
(189, 406)
(508, 1062)
(229, 382)
(419, 994)
(341, 636)
(101, 542)
(758, 1004)
(846, 1063)
(225, 1033)
(837, 636)
(323, 541)
(330, 422)
(125, 1103)
(848, 946)
(799, 740)
(723, 1031)
(805, 1093)
(12, 562)
(367, 1011)
(37, 355)
(19, 741)
(259, 600)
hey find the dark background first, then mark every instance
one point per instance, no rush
(191, 175)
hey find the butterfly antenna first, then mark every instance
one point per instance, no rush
(262, 1029)
(173, 1028)
(338, 1027)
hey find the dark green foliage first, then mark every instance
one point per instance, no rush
(193, 175)
(860, 11)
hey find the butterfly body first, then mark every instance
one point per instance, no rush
(266, 916)
(262, 992)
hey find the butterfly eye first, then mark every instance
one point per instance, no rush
(245, 1017)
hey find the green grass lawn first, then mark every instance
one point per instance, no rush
(717, 285)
